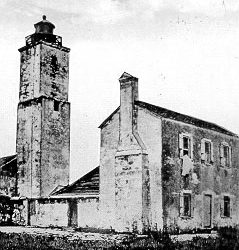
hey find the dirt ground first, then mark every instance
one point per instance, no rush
(71, 234)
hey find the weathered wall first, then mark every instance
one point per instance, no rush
(28, 148)
(149, 128)
(132, 192)
(54, 72)
(122, 181)
(43, 147)
(47, 213)
(30, 74)
(55, 145)
(44, 71)
(88, 212)
(213, 179)
(56, 212)
(128, 188)
(108, 148)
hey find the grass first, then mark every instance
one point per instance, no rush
(228, 239)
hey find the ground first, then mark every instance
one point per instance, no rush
(28, 238)
(71, 234)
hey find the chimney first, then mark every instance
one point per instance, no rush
(128, 111)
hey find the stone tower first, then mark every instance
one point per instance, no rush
(43, 114)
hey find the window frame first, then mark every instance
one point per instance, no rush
(226, 206)
(203, 151)
(228, 213)
(223, 161)
(183, 194)
(181, 145)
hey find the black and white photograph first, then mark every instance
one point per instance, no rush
(119, 124)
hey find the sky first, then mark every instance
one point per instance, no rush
(184, 52)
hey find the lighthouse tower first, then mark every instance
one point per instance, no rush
(43, 113)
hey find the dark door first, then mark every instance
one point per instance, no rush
(207, 210)
(72, 213)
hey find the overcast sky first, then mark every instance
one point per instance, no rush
(185, 54)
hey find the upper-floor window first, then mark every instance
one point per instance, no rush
(225, 155)
(185, 145)
(206, 151)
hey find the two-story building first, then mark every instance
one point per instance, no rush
(167, 169)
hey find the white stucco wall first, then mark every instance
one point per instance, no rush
(149, 129)
(49, 213)
(88, 213)
(109, 144)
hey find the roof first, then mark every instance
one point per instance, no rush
(9, 163)
(126, 77)
(44, 21)
(166, 113)
(108, 118)
(86, 185)
(169, 114)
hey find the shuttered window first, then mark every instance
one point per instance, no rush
(185, 145)
(225, 155)
(206, 151)
(186, 205)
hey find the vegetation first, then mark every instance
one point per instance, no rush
(228, 238)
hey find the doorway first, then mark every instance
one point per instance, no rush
(72, 213)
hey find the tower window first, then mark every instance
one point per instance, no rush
(56, 105)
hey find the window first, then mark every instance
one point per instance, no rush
(185, 205)
(56, 105)
(206, 151)
(185, 145)
(225, 155)
(226, 210)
